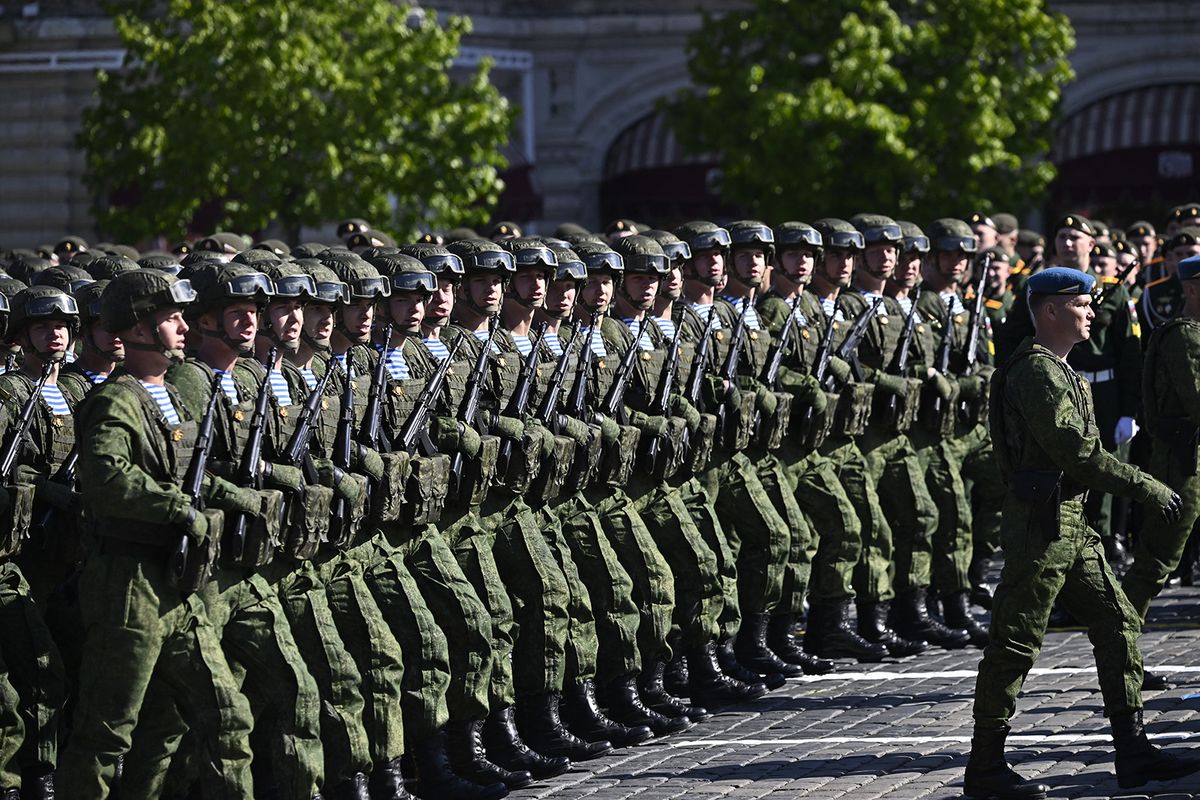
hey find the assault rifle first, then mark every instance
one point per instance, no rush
(20, 426)
(418, 421)
(661, 401)
(614, 402)
(942, 358)
(549, 405)
(520, 396)
(193, 480)
(342, 443)
(249, 474)
(849, 347)
(468, 412)
(900, 362)
(577, 398)
(729, 371)
(371, 434)
(297, 453)
(1120, 281)
(976, 321)
(700, 361)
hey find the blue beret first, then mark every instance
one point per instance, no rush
(1060, 280)
(1189, 268)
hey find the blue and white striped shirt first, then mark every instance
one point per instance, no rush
(667, 326)
(704, 311)
(54, 398)
(279, 387)
(163, 399)
(397, 367)
(482, 336)
(644, 341)
(95, 377)
(310, 378)
(957, 306)
(437, 347)
(524, 343)
(881, 309)
(830, 307)
(751, 313)
(228, 386)
(552, 341)
(905, 304)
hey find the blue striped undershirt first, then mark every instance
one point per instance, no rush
(644, 341)
(751, 314)
(95, 377)
(397, 367)
(279, 387)
(437, 347)
(667, 326)
(228, 386)
(482, 336)
(830, 307)
(310, 378)
(54, 398)
(163, 399)
(524, 343)
(704, 311)
(552, 341)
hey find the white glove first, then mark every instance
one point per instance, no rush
(1127, 428)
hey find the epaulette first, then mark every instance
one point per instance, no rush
(1109, 279)
(1163, 279)
(991, 303)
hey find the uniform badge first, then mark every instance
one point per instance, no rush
(883, 320)
(920, 329)
(397, 390)
(804, 333)
(600, 363)
(58, 423)
(238, 415)
(720, 337)
(645, 356)
(754, 336)
(283, 413)
(177, 435)
(324, 404)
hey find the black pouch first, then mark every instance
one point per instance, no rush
(1041, 489)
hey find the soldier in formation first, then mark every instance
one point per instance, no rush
(366, 521)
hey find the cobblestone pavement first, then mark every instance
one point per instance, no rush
(902, 730)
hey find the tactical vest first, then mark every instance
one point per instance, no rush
(1166, 417)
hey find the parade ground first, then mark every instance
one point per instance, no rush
(902, 730)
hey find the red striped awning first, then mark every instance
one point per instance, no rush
(1152, 116)
(648, 143)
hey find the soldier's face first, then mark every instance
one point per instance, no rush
(997, 279)
(641, 289)
(879, 260)
(530, 286)
(318, 322)
(672, 285)
(839, 267)
(239, 322)
(797, 265)
(407, 309)
(952, 265)
(750, 264)
(1072, 246)
(1068, 319)
(709, 266)
(358, 317)
(286, 319)
(560, 298)
(908, 270)
(50, 336)
(484, 291)
(1146, 246)
(106, 341)
(1185, 251)
(985, 235)
(1105, 266)
(442, 302)
(169, 326)
(597, 292)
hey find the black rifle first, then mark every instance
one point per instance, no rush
(775, 363)
(549, 405)
(976, 320)
(729, 371)
(660, 403)
(371, 434)
(695, 383)
(415, 427)
(297, 453)
(577, 398)
(848, 349)
(193, 480)
(1120, 281)
(942, 358)
(520, 396)
(468, 412)
(249, 474)
(900, 362)
(825, 351)
(614, 402)
(20, 426)
(342, 442)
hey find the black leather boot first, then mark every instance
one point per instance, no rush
(675, 678)
(356, 788)
(387, 782)
(468, 760)
(626, 707)
(981, 592)
(990, 776)
(753, 652)
(583, 717)
(783, 644)
(712, 688)
(652, 688)
(542, 729)
(39, 787)
(1154, 682)
(957, 613)
(437, 781)
(727, 658)
(872, 626)
(910, 618)
(1138, 761)
(838, 639)
(504, 747)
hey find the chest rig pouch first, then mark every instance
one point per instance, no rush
(811, 428)
(700, 444)
(262, 534)
(937, 414)
(772, 427)
(428, 484)
(17, 518)
(618, 456)
(739, 420)
(197, 568)
(853, 411)
(908, 407)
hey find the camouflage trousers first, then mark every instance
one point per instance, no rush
(1037, 571)
(698, 494)
(1160, 546)
(910, 514)
(170, 662)
(959, 467)
(267, 668)
(774, 474)
(582, 645)
(34, 673)
(836, 544)
(872, 581)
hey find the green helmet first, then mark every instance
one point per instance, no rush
(570, 265)
(10, 286)
(81, 259)
(223, 243)
(280, 249)
(600, 259)
(109, 267)
(482, 256)
(40, 303)
(290, 281)
(675, 249)
(798, 236)
(160, 261)
(530, 252)
(25, 267)
(364, 280)
(877, 229)
(952, 235)
(224, 284)
(309, 250)
(88, 300)
(642, 255)
(406, 273)
(915, 240)
(437, 259)
(837, 234)
(330, 289)
(255, 258)
(66, 278)
(133, 296)
(703, 235)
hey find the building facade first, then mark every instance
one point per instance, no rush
(590, 142)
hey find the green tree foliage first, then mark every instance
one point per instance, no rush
(292, 111)
(918, 107)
